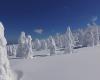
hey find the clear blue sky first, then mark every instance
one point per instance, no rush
(51, 16)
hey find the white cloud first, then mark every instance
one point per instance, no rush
(39, 31)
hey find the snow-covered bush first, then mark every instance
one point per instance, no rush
(5, 71)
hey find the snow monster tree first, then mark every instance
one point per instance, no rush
(5, 71)
(69, 41)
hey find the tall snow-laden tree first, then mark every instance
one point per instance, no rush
(24, 49)
(5, 70)
(28, 45)
(21, 45)
(69, 41)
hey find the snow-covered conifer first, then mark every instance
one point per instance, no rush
(5, 70)
(21, 45)
(57, 40)
(37, 44)
(89, 36)
(28, 46)
(96, 34)
(48, 43)
(43, 44)
(52, 46)
(92, 34)
(52, 41)
(24, 49)
(81, 37)
(69, 44)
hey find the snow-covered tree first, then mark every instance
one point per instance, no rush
(43, 44)
(62, 41)
(22, 38)
(11, 50)
(24, 49)
(52, 46)
(21, 45)
(89, 36)
(48, 43)
(96, 34)
(37, 44)
(52, 50)
(14, 48)
(92, 35)
(52, 41)
(5, 70)
(28, 46)
(69, 44)
(57, 40)
(76, 39)
(81, 37)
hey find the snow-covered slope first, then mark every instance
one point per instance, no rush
(84, 64)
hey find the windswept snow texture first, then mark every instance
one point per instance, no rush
(84, 64)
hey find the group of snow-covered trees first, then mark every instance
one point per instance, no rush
(90, 36)
(26, 46)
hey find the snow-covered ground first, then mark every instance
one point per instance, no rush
(83, 64)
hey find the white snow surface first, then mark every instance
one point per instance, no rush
(83, 64)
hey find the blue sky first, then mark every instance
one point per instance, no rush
(41, 18)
